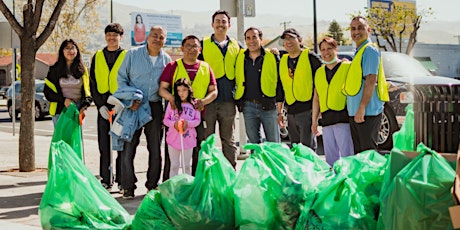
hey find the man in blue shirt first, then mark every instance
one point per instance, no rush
(365, 108)
(141, 69)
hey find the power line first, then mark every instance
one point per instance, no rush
(285, 24)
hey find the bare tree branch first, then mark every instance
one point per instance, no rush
(51, 24)
(37, 14)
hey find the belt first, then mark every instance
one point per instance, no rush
(254, 101)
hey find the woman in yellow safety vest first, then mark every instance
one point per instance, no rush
(67, 81)
(329, 103)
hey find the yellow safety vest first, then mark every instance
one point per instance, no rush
(268, 77)
(299, 88)
(107, 79)
(330, 94)
(85, 79)
(201, 81)
(221, 65)
(354, 78)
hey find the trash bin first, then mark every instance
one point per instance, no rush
(437, 116)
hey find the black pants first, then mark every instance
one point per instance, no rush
(365, 135)
(199, 138)
(103, 139)
(167, 165)
(153, 133)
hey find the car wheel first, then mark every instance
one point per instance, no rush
(388, 126)
(38, 111)
(10, 112)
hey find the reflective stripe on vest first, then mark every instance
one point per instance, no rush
(85, 79)
(107, 79)
(221, 65)
(354, 78)
(330, 94)
(53, 105)
(268, 77)
(201, 81)
(299, 88)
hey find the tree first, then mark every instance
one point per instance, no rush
(30, 42)
(335, 31)
(395, 26)
(79, 19)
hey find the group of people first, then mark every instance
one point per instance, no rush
(215, 77)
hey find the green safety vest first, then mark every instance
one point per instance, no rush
(354, 78)
(221, 65)
(53, 105)
(299, 88)
(330, 94)
(268, 78)
(201, 81)
(107, 79)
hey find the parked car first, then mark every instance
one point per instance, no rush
(3, 91)
(41, 104)
(403, 73)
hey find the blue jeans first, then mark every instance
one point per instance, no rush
(254, 117)
(300, 129)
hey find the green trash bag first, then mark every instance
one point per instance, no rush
(206, 201)
(151, 215)
(272, 187)
(418, 196)
(366, 169)
(74, 198)
(68, 129)
(302, 153)
(404, 139)
(340, 205)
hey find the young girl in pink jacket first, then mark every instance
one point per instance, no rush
(181, 110)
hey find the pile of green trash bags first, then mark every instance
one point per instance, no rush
(416, 192)
(349, 199)
(404, 138)
(73, 197)
(201, 202)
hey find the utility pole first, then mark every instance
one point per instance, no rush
(315, 39)
(111, 11)
(240, 20)
(285, 24)
(458, 37)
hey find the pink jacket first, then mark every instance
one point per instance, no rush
(193, 118)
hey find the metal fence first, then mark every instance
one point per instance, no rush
(437, 117)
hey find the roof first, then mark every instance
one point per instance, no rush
(47, 58)
(6, 61)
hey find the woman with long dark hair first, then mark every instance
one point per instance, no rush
(67, 81)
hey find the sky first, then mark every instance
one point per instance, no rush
(446, 10)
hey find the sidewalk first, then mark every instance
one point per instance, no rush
(21, 192)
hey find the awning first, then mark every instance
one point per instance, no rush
(429, 65)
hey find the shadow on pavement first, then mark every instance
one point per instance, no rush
(19, 213)
(26, 200)
(23, 184)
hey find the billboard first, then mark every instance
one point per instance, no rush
(141, 23)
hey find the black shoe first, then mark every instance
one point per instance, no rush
(128, 194)
(107, 187)
(120, 189)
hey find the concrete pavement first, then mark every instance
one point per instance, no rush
(21, 192)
